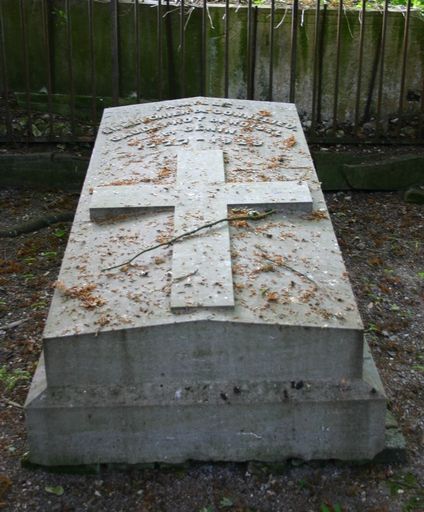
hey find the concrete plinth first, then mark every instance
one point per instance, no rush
(229, 420)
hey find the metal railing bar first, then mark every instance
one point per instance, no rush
(172, 82)
(370, 93)
(69, 57)
(404, 61)
(337, 72)
(4, 72)
(26, 66)
(321, 62)
(47, 35)
(315, 67)
(137, 50)
(226, 47)
(115, 51)
(293, 51)
(253, 53)
(421, 117)
(203, 50)
(249, 49)
(360, 64)
(92, 63)
(159, 46)
(271, 51)
(182, 49)
(381, 74)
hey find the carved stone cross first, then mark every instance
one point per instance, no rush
(201, 264)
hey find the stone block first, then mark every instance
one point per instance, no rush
(234, 420)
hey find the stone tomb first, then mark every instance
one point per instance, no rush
(241, 341)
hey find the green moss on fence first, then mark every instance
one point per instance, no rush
(174, 80)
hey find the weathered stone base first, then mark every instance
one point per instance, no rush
(226, 421)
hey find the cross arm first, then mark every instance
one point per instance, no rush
(107, 202)
(278, 195)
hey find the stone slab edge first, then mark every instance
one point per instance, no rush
(344, 171)
(394, 447)
(394, 442)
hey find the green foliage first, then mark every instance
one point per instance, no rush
(327, 507)
(48, 254)
(11, 378)
(59, 233)
(408, 483)
(379, 4)
(226, 502)
(417, 4)
(57, 490)
(402, 482)
(416, 503)
(61, 16)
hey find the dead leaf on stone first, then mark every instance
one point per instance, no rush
(272, 296)
(289, 142)
(125, 181)
(318, 215)
(239, 223)
(267, 267)
(82, 293)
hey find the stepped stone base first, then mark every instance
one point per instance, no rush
(224, 421)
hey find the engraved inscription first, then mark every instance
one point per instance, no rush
(193, 119)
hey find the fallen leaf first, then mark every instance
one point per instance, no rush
(57, 490)
(289, 142)
(375, 261)
(5, 484)
(240, 223)
(272, 297)
(318, 215)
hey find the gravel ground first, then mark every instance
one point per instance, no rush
(382, 239)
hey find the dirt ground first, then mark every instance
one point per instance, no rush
(382, 239)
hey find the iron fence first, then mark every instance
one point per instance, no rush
(57, 61)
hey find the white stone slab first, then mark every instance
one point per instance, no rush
(290, 291)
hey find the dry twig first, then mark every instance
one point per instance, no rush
(285, 265)
(171, 241)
